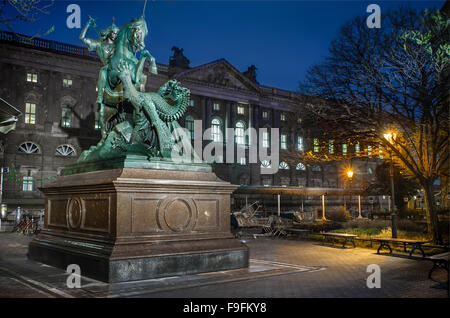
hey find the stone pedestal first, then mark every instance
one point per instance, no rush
(130, 224)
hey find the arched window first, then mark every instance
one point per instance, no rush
(300, 166)
(239, 132)
(216, 131)
(190, 125)
(266, 164)
(29, 147)
(65, 151)
(283, 166)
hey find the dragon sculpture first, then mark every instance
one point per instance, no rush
(132, 120)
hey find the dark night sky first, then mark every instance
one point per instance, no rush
(282, 38)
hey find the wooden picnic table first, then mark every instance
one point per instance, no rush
(345, 236)
(439, 261)
(386, 242)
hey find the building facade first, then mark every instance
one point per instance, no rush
(54, 86)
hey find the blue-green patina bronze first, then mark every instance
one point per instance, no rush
(133, 122)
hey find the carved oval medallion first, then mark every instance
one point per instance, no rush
(177, 215)
(74, 213)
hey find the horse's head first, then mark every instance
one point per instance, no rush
(136, 33)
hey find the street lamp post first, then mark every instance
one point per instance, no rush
(350, 178)
(390, 137)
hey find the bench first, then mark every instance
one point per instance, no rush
(345, 236)
(296, 231)
(439, 261)
(386, 242)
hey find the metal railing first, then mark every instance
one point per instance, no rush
(46, 45)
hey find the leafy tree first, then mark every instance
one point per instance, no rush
(395, 79)
(403, 187)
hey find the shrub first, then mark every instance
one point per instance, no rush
(411, 226)
(337, 214)
(320, 226)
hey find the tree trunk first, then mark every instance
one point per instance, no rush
(431, 211)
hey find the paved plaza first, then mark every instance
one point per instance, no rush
(279, 268)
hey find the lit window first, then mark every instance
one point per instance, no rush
(316, 145)
(241, 110)
(243, 161)
(344, 149)
(357, 149)
(266, 164)
(216, 132)
(32, 77)
(97, 121)
(369, 170)
(216, 106)
(29, 147)
(65, 151)
(66, 115)
(27, 184)
(191, 103)
(380, 151)
(300, 166)
(239, 131)
(190, 126)
(300, 144)
(266, 139)
(369, 150)
(67, 83)
(30, 113)
(331, 146)
(283, 166)
(265, 114)
(283, 141)
(283, 117)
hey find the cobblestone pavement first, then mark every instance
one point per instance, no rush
(279, 268)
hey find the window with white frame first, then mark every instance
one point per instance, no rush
(331, 146)
(191, 103)
(239, 133)
(65, 151)
(283, 141)
(344, 149)
(283, 117)
(241, 110)
(300, 144)
(316, 145)
(357, 149)
(265, 114)
(66, 116)
(216, 131)
(266, 164)
(27, 183)
(67, 82)
(243, 161)
(266, 139)
(216, 106)
(30, 113)
(29, 147)
(283, 166)
(32, 77)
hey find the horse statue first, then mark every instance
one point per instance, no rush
(136, 121)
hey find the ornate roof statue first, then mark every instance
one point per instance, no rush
(178, 59)
(250, 73)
